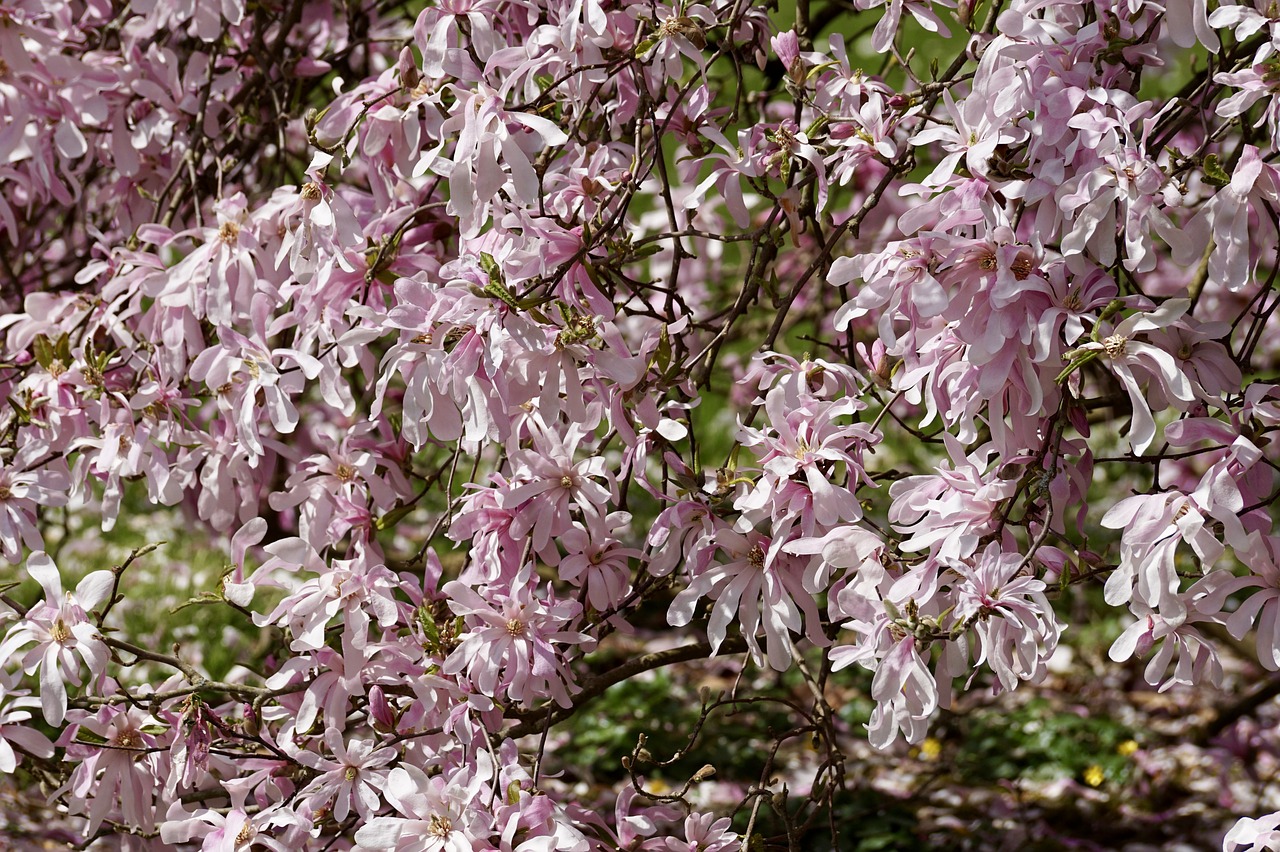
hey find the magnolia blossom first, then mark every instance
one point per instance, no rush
(1178, 641)
(761, 589)
(1253, 835)
(510, 646)
(903, 688)
(1153, 527)
(62, 633)
(119, 778)
(240, 371)
(950, 510)
(704, 833)
(23, 491)
(1262, 606)
(547, 480)
(353, 778)
(1007, 610)
(14, 712)
(234, 831)
(1131, 359)
(440, 813)
(447, 341)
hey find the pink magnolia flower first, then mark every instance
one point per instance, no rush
(947, 512)
(1253, 835)
(233, 831)
(704, 833)
(1176, 637)
(546, 481)
(327, 227)
(1131, 359)
(25, 487)
(64, 636)
(355, 588)
(759, 587)
(353, 777)
(675, 32)
(683, 533)
(440, 813)
(509, 647)
(15, 731)
(1263, 606)
(489, 138)
(119, 779)
(1153, 527)
(903, 688)
(977, 130)
(887, 30)
(807, 443)
(240, 370)
(1015, 625)
(1228, 217)
(596, 561)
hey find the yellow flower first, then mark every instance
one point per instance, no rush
(1094, 776)
(1127, 748)
(930, 749)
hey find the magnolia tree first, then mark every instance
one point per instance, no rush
(511, 350)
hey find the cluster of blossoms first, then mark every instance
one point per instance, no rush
(476, 340)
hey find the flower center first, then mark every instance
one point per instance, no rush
(5, 491)
(755, 556)
(310, 191)
(228, 232)
(1021, 267)
(681, 25)
(345, 473)
(59, 632)
(245, 835)
(351, 773)
(566, 481)
(439, 826)
(127, 739)
(1115, 345)
(515, 627)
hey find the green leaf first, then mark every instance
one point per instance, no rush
(1214, 173)
(393, 517)
(24, 416)
(198, 600)
(43, 350)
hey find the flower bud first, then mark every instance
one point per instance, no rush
(410, 77)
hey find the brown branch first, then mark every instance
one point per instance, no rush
(539, 719)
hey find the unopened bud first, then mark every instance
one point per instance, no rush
(250, 720)
(409, 74)
(384, 717)
(704, 773)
